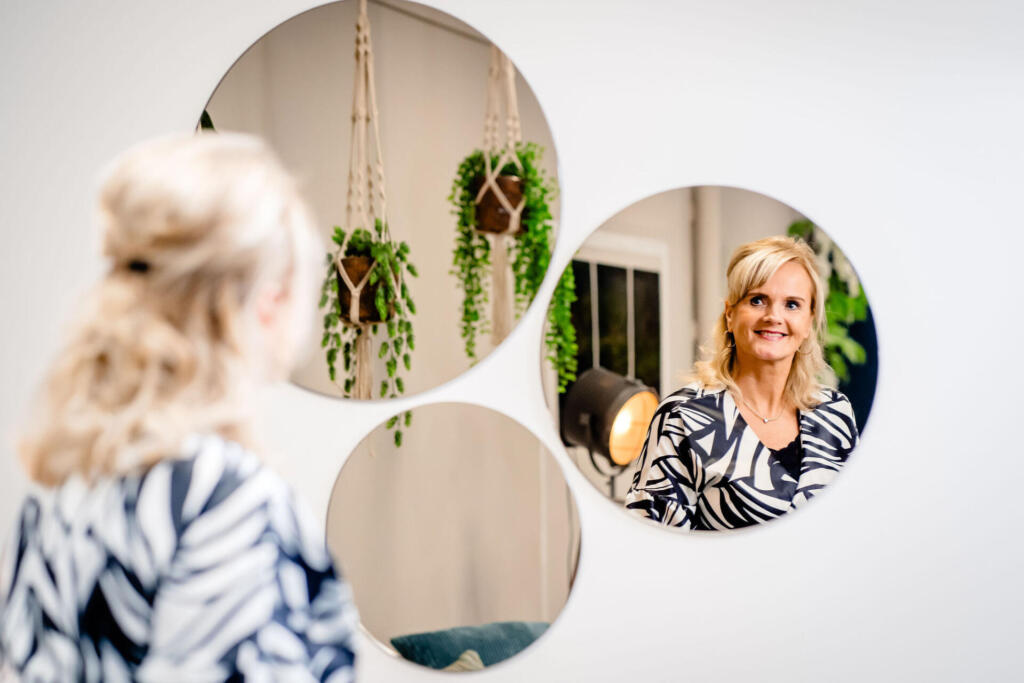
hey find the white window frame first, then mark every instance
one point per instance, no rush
(606, 247)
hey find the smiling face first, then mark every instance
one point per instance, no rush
(770, 322)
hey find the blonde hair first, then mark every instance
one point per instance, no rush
(751, 266)
(163, 346)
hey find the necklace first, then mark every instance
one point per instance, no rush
(764, 419)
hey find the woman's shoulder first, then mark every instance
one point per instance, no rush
(692, 397)
(217, 480)
(833, 400)
(834, 415)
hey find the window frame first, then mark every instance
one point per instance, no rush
(632, 253)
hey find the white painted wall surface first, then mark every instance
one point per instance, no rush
(897, 125)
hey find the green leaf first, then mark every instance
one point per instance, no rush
(398, 438)
(412, 270)
(381, 303)
(383, 388)
(392, 422)
(383, 350)
(407, 361)
(400, 385)
(392, 367)
(408, 418)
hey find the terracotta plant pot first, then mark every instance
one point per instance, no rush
(356, 267)
(491, 216)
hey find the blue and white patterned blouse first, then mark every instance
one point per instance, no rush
(202, 569)
(703, 467)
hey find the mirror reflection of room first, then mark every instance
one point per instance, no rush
(650, 286)
(432, 171)
(461, 546)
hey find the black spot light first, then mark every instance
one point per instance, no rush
(608, 414)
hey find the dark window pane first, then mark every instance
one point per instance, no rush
(611, 318)
(648, 328)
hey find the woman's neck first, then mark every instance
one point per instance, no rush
(763, 385)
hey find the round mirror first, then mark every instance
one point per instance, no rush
(461, 546)
(432, 172)
(724, 358)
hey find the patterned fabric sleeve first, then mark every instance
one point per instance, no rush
(668, 479)
(250, 592)
(829, 435)
(204, 568)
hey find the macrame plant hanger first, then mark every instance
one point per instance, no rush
(501, 94)
(366, 201)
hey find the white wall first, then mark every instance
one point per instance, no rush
(896, 125)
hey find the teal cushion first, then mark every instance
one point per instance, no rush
(494, 642)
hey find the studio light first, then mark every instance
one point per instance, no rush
(608, 414)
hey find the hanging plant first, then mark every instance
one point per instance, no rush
(529, 251)
(365, 285)
(384, 299)
(561, 334)
(845, 302)
(502, 191)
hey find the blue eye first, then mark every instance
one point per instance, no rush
(756, 300)
(793, 305)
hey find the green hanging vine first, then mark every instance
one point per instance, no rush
(529, 256)
(393, 304)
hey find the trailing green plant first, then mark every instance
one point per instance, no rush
(845, 301)
(529, 254)
(561, 334)
(394, 305)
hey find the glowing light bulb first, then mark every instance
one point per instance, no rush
(630, 427)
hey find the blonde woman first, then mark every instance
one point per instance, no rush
(156, 547)
(756, 434)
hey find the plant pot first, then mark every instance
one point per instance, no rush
(491, 216)
(356, 268)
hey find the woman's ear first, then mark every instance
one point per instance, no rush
(728, 315)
